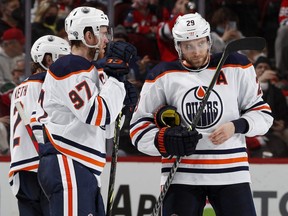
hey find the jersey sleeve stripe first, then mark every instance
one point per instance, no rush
(141, 120)
(142, 134)
(264, 107)
(90, 115)
(138, 129)
(100, 111)
(71, 74)
(108, 116)
(262, 104)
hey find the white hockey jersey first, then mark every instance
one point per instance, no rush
(79, 111)
(23, 153)
(236, 93)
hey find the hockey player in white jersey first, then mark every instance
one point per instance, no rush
(216, 165)
(24, 157)
(78, 110)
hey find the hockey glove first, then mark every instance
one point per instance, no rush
(176, 141)
(118, 56)
(167, 116)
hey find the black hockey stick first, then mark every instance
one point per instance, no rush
(248, 43)
(114, 157)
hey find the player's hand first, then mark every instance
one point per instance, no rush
(119, 56)
(176, 141)
(222, 133)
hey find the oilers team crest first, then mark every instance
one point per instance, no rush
(212, 111)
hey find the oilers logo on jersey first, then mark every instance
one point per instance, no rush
(212, 111)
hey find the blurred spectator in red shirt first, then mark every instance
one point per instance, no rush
(12, 44)
(165, 40)
(141, 20)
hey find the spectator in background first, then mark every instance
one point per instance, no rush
(224, 28)
(18, 73)
(11, 15)
(275, 141)
(141, 20)
(4, 146)
(12, 44)
(141, 25)
(65, 7)
(45, 20)
(281, 42)
(164, 35)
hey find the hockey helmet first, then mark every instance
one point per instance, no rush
(54, 45)
(82, 17)
(189, 27)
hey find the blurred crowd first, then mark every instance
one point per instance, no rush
(147, 24)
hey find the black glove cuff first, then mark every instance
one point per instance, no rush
(241, 125)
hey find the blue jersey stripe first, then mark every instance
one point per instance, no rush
(19, 163)
(208, 171)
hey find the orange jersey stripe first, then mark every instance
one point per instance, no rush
(32, 120)
(163, 74)
(139, 128)
(184, 71)
(70, 74)
(233, 65)
(209, 161)
(262, 107)
(100, 111)
(74, 154)
(30, 81)
(28, 168)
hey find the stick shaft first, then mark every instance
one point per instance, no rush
(110, 197)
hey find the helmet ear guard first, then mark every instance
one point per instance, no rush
(51, 44)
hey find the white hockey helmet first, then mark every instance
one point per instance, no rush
(54, 45)
(189, 27)
(82, 17)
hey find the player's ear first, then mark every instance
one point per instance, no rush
(90, 37)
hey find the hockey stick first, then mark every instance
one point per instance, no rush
(27, 125)
(110, 198)
(248, 43)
